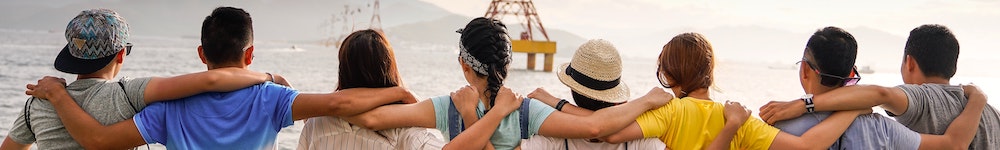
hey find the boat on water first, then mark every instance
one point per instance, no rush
(866, 70)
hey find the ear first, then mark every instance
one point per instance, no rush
(201, 54)
(248, 55)
(120, 57)
(804, 70)
(911, 65)
(465, 68)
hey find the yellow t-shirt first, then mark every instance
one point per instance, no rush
(691, 123)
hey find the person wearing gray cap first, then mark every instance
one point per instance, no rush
(95, 53)
(248, 118)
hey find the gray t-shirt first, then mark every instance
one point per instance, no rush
(871, 131)
(932, 107)
(105, 100)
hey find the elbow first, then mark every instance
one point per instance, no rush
(367, 121)
(335, 106)
(593, 130)
(882, 93)
(211, 81)
(614, 139)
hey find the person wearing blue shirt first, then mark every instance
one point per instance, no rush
(248, 118)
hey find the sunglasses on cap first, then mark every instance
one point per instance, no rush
(851, 79)
(128, 49)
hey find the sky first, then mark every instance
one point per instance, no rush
(893, 16)
(629, 23)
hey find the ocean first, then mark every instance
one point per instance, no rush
(428, 70)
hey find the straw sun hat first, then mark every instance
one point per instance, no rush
(595, 72)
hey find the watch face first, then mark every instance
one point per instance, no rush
(807, 96)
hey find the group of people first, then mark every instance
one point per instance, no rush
(231, 107)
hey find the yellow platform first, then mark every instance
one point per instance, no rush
(534, 47)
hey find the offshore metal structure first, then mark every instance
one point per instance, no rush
(525, 11)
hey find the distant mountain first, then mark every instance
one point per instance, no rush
(293, 20)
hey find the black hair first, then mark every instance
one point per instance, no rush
(935, 50)
(487, 40)
(225, 33)
(590, 103)
(834, 52)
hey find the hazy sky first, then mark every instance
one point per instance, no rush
(894, 16)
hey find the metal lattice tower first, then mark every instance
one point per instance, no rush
(524, 10)
(376, 21)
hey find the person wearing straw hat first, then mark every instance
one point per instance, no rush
(97, 44)
(480, 115)
(594, 78)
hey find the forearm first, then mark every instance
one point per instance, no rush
(232, 79)
(469, 117)
(363, 99)
(218, 80)
(574, 110)
(9, 144)
(963, 129)
(851, 98)
(477, 136)
(612, 119)
(721, 142)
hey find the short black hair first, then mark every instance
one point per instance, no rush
(935, 49)
(225, 33)
(834, 52)
(590, 103)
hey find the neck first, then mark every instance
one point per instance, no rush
(821, 90)
(216, 66)
(701, 93)
(481, 89)
(107, 73)
(937, 80)
(106, 76)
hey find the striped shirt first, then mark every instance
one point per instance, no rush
(324, 133)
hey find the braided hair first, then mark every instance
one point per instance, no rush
(486, 40)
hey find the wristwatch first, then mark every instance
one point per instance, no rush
(810, 107)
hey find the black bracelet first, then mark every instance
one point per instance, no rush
(269, 77)
(562, 103)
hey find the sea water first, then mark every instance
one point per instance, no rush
(427, 70)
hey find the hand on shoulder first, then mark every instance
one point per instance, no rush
(46, 86)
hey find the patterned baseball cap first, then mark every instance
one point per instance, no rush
(94, 37)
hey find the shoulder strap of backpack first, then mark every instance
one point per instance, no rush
(455, 123)
(121, 83)
(524, 118)
(27, 114)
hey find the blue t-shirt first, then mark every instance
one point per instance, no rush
(248, 118)
(508, 134)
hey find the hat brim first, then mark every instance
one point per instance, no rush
(616, 94)
(65, 62)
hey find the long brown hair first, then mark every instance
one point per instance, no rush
(689, 59)
(367, 60)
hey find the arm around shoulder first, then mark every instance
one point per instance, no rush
(963, 129)
(215, 80)
(9, 144)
